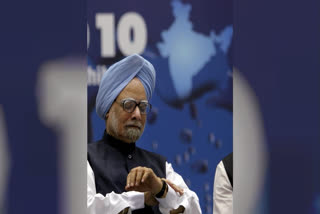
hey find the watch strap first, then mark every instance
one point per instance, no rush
(163, 189)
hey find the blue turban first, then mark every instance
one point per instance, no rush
(118, 76)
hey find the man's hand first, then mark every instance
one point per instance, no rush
(174, 187)
(143, 179)
(179, 210)
(150, 200)
(124, 211)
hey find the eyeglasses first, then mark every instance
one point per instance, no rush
(130, 104)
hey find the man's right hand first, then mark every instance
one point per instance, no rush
(143, 179)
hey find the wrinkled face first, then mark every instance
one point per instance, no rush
(122, 125)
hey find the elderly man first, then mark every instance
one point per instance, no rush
(123, 178)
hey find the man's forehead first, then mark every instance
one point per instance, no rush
(134, 89)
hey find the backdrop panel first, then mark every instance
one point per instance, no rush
(189, 44)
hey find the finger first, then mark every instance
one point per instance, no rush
(145, 176)
(133, 177)
(174, 187)
(129, 178)
(128, 181)
(140, 173)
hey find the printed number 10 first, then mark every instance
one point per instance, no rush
(127, 45)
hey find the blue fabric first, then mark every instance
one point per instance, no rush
(117, 77)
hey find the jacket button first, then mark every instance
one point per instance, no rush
(130, 157)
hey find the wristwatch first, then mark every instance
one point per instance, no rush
(163, 189)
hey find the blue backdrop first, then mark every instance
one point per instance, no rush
(190, 44)
(276, 47)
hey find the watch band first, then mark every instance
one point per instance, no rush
(163, 189)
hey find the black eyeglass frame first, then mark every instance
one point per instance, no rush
(123, 101)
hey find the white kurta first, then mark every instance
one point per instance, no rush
(113, 203)
(222, 192)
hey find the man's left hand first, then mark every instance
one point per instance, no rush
(150, 200)
(173, 186)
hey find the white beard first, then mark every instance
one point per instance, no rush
(133, 134)
(130, 133)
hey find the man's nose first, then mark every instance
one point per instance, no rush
(136, 113)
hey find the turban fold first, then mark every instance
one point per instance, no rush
(118, 76)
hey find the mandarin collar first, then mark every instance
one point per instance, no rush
(119, 144)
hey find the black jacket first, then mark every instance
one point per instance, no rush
(111, 161)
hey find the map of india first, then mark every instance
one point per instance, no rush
(188, 51)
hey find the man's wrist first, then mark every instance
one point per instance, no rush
(163, 192)
(157, 187)
(124, 211)
(149, 199)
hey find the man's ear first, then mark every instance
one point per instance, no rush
(107, 115)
